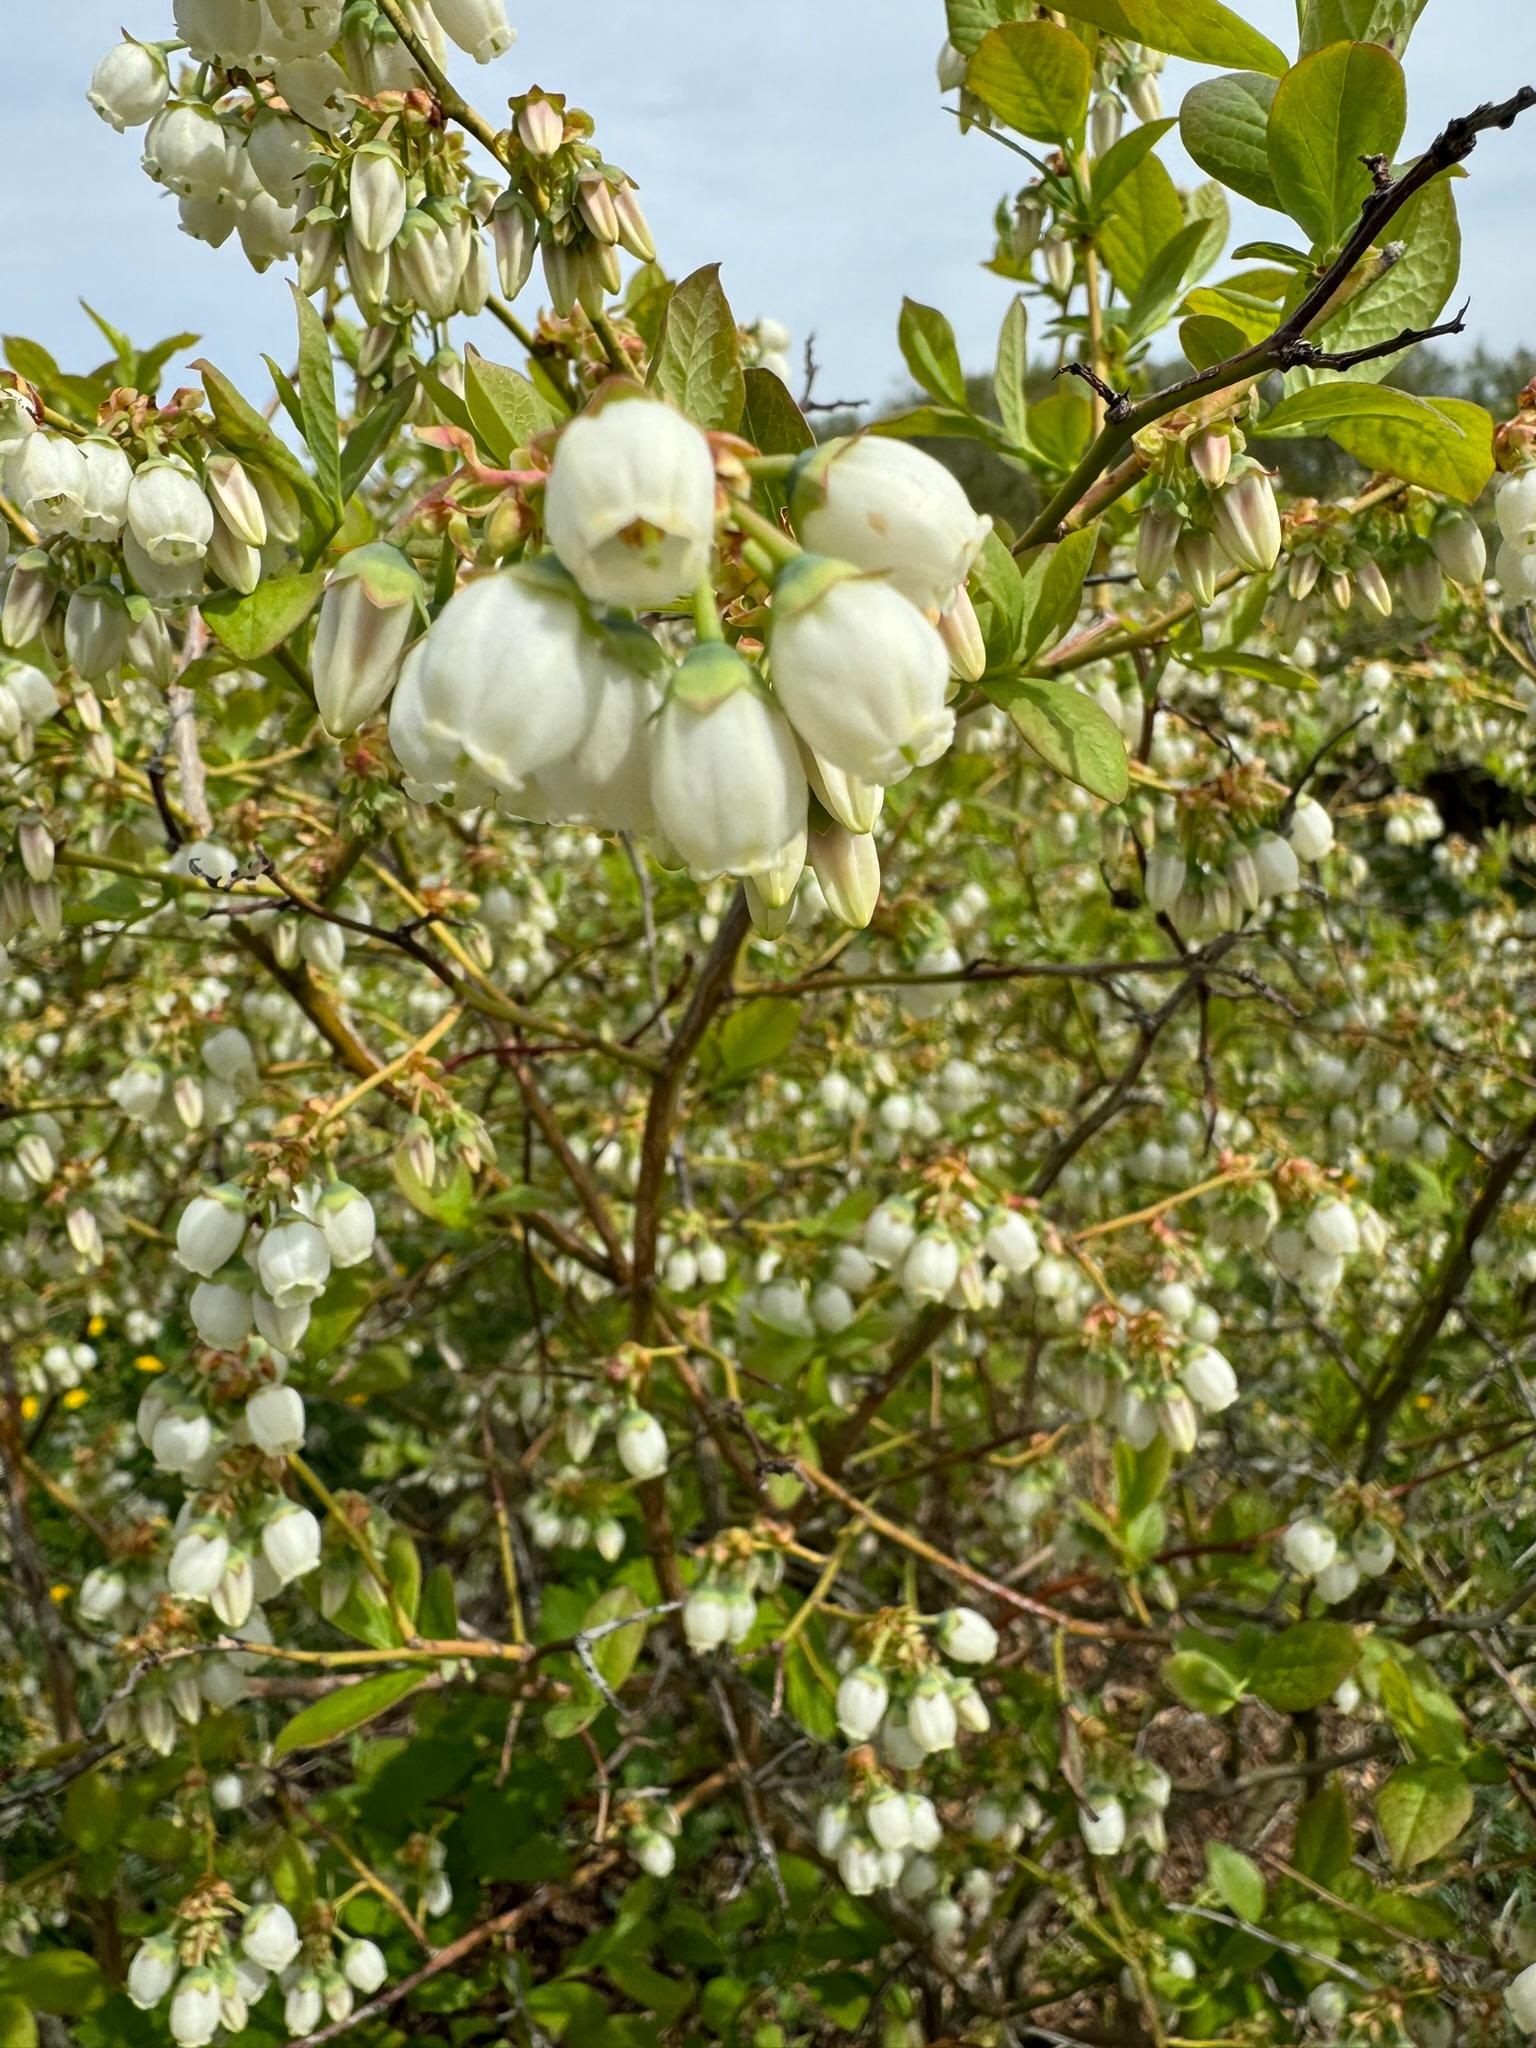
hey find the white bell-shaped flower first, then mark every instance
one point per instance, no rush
(479, 27)
(847, 865)
(931, 1719)
(1520, 1998)
(187, 150)
(269, 1936)
(641, 1443)
(363, 1966)
(726, 780)
(168, 514)
(196, 2010)
(630, 504)
(1311, 833)
(502, 685)
(108, 476)
(275, 1418)
(862, 1699)
(861, 674)
(344, 1217)
(102, 1593)
(129, 85)
(152, 1972)
(197, 1563)
(1309, 1547)
(376, 196)
(221, 1314)
(211, 1230)
(884, 505)
(290, 1543)
(293, 1262)
(1209, 1380)
(606, 778)
(1102, 1825)
(967, 1636)
(47, 480)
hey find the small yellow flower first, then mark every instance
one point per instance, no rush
(59, 1594)
(147, 1362)
(29, 1407)
(95, 1326)
(76, 1398)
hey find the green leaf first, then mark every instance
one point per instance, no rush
(1122, 157)
(697, 363)
(293, 1874)
(1141, 1475)
(929, 350)
(616, 1655)
(438, 1613)
(1207, 340)
(1200, 1683)
(506, 410)
(1072, 734)
(1412, 293)
(1009, 378)
(341, 1712)
(18, 2029)
(1053, 587)
(1224, 125)
(1164, 280)
(1324, 1835)
(969, 20)
(1258, 668)
(1358, 21)
(1301, 1666)
(253, 626)
(1201, 30)
(771, 421)
(1035, 77)
(1421, 1810)
(1442, 444)
(1238, 1880)
(63, 1981)
(943, 422)
(1420, 1709)
(997, 591)
(317, 397)
(1335, 107)
(373, 434)
(757, 1033)
(1145, 217)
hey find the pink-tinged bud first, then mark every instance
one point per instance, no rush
(848, 869)
(560, 274)
(1145, 96)
(28, 599)
(1198, 561)
(1459, 547)
(634, 229)
(1107, 120)
(594, 199)
(1301, 579)
(47, 908)
(1211, 453)
(34, 842)
(1247, 522)
(1341, 590)
(540, 126)
(1060, 265)
(96, 627)
(1374, 588)
(319, 253)
(514, 232)
(1157, 540)
(1423, 585)
(233, 560)
(100, 757)
(960, 630)
(376, 197)
(236, 498)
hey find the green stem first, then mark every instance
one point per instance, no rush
(772, 539)
(706, 617)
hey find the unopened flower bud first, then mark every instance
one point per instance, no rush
(1247, 522)
(130, 84)
(540, 126)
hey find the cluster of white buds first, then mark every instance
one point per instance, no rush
(721, 1608)
(1207, 895)
(1312, 1551)
(1443, 546)
(1213, 508)
(193, 1099)
(882, 1838)
(566, 205)
(290, 1261)
(1124, 1807)
(246, 143)
(163, 521)
(1315, 1250)
(531, 693)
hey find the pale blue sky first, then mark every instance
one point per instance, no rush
(801, 141)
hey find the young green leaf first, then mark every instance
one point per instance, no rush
(929, 349)
(697, 363)
(1035, 77)
(352, 1707)
(1422, 1808)
(1335, 108)
(1224, 125)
